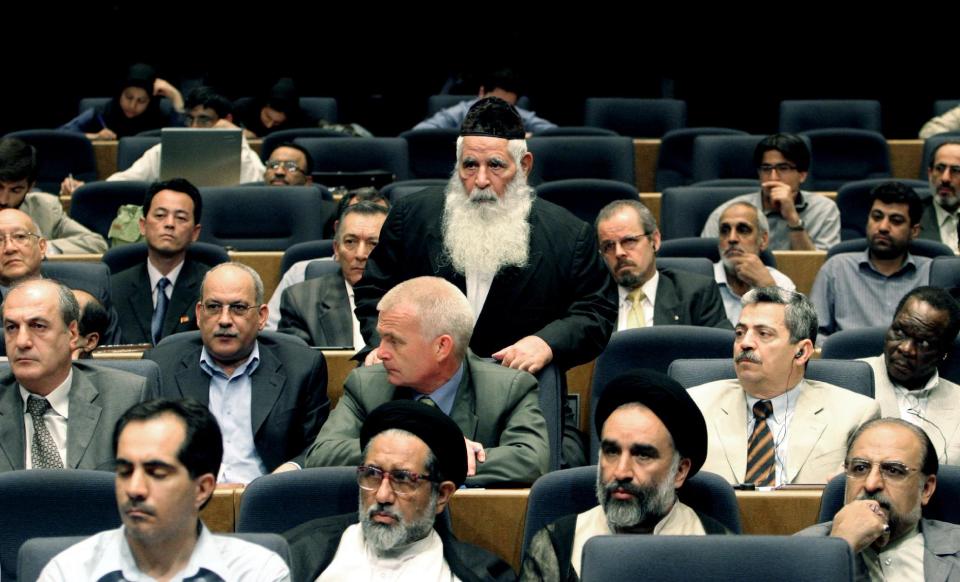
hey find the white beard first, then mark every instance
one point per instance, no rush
(481, 232)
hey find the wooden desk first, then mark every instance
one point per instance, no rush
(220, 514)
(492, 519)
(778, 512)
(645, 153)
(339, 366)
(800, 266)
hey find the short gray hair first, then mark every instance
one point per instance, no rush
(762, 224)
(257, 281)
(363, 208)
(799, 314)
(647, 221)
(66, 300)
(440, 306)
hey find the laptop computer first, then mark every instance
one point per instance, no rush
(205, 157)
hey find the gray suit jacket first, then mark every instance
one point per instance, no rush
(941, 550)
(688, 299)
(929, 229)
(63, 232)
(133, 296)
(98, 398)
(495, 406)
(318, 312)
(824, 417)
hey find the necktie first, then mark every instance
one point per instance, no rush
(43, 449)
(760, 448)
(635, 316)
(160, 311)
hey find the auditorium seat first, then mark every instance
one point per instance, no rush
(639, 118)
(126, 256)
(95, 204)
(675, 158)
(804, 115)
(854, 202)
(564, 158)
(59, 154)
(854, 376)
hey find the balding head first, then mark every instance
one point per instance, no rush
(23, 247)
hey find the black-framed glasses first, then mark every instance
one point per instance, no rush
(627, 243)
(402, 482)
(889, 470)
(214, 309)
(289, 166)
(781, 168)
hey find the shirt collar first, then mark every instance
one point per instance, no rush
(649, 288)
(155, 274)
(942, 213)
(248, 366)
(117, 556)
(910, 261)
(783, 405)
(447, 393)
(932, 382)
(59, 399)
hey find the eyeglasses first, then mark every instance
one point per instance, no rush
(18, 239)
(289, 166)
(200, 120)
(782, 168)
(214, 309)
(627, 243)
(889, 470)
(941, 168)
(402, 482)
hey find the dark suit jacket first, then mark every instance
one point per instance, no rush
(688, 299)
(495, 406)
(134, 301)
(98, 398)
(289, 400)
(929, 229)
(318, 312)
(565, 295)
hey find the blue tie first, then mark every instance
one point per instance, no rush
(160, 311)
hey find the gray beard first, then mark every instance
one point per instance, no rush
(481, 232)
(384, 539)
(649, 505)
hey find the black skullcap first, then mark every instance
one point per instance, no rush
(493, 117)
(140, 75)
(669, 401)
(431, 425)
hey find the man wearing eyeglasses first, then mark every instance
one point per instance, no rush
(269, 395)
(862, 289)
(628, 240)
(157, 297)
(891, 474)
(798, 220)
(907, 384)
(413, 460)
(289, 165)
(939, 220)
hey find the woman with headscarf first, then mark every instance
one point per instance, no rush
(134, 108)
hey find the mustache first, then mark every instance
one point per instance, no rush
(225, 334)
(628, 486)
(880, 498)
(139, 506)
(482, 196)
(623, 262)
(379, 508)
(748, 357)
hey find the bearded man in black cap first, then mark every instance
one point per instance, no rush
(652, 439)
(414, 458)
(529, 268)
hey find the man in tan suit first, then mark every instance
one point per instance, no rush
(771, 426)
(908, 385)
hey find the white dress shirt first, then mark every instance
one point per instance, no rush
(478, 287)
(155, 276)
(947, 222)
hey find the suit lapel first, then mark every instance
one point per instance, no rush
(804, 429)
(141, 300)
(84, 416)
(12, 438)
(192, 382)
(333, 310)
(731, 426)
(464, 411)
(665, 306)
(267, 382)
(943, 412)
(183, 298)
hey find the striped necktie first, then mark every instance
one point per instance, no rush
(760, 448)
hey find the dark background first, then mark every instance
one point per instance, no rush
(732, 64)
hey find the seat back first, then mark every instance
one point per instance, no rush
(684, 210)
(564, 158)
(918, 246)
(433, 152)
(52, 502)
(131, 149)
(698, 265)
(854, 201)
(271, 141)
(394, 191)
(854, 376)
(261, 218)
(586, 197)
(851, 344)
(277, 503)
(358, 154)
(648, 118)
(839, 156)
(59, 154)
(675, 159)
(95, 204)
(724, 156)
(123, 257)
(792, 558)
(704, 247)
(314, 249)
(804, 115)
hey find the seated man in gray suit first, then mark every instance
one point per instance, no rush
(939, 221)
(269, 395)
(891, 468)
(629, 240)
(771, 426)
(157, 297)
(905, 375)
(320, 311)
(56, 413)
(425, 326)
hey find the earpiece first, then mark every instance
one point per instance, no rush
(798, 355)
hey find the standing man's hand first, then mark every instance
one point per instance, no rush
(529, 354)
